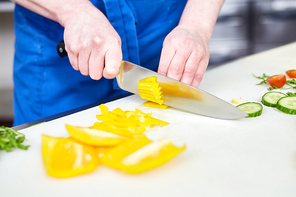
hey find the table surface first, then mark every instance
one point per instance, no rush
(245, 157)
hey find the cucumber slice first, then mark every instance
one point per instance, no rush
(270, 99)
(253, 109)
(287, 105)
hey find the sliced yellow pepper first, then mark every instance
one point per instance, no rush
(155, 105)
(118, 111)
(150, 89)
(149, 79)
(238, 101)
(94, 136)
(126, 123)
(65, 157)
(102, 150)
(140, 154)
(152, 95)
(103, 109)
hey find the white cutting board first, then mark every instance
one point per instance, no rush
(231, 158)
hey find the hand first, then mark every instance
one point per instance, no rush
(185, 56)
(92, 44)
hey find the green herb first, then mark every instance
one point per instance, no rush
(11, 139)
(291, 94)
(291, 83)
(274, 87)
(263, 78)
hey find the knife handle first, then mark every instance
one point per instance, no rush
(61, 49)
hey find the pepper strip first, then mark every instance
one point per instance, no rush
(140, 154)
(126, 123)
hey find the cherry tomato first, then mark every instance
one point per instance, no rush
(277, 81)
(291, 73)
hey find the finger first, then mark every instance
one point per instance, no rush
(73, 58)
(113, 58)
(83, 60)
(167, 54)
(177, 65)
(201, 69)
(96, 64)
(73, 61)
(190, 68)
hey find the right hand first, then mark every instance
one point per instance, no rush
(92, 44)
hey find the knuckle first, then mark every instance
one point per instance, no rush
(70, 48)
(83, 44)
(189, 70)
(115, 41)
(97, 40)
(187, 42)
(197, 77)
(163, 69)
(176, 69)
(168, 40)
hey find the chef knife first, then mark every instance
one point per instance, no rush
(177, 94)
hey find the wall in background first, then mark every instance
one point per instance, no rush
(246, 27)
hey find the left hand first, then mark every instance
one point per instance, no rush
(185, 56)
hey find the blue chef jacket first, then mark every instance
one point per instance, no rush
(46, 84)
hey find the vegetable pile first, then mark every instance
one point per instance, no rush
(11, 139)
(285, 102)
(117, 141)
(150, 89)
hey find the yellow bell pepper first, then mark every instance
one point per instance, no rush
(65, 157)
(102, 150)
(238, 101)
(94, 136)
(150, 89)
(155, 105)
(149, 79)
(126, 123)
(140, 154)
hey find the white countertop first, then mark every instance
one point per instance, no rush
(246, 157)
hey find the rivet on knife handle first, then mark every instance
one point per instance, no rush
(61, 49)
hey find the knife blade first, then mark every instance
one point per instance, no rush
(177, 94)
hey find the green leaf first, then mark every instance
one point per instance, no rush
(291, 94)
(11, 139)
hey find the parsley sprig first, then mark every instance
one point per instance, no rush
(291, 94)
(11, 139)
(263, 78)
(291, 83)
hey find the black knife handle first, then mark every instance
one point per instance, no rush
(61, 49)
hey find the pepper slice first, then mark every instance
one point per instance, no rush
(93, 136)
(65, 157)
(141, 154)
(150, 89)
(126, 123)
(155, 105)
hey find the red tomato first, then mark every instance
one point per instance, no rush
(291, 73)
(277, 81)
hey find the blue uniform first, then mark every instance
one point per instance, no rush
(46, 84)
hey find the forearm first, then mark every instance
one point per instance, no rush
(201, 15)
(56, 10)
